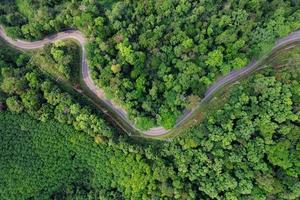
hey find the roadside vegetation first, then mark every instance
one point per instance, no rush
(60, 59)
(180, 48)
(55, 146)
(232, 155)
(27, 89)
(247, 148)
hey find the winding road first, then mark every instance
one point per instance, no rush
(156, 131)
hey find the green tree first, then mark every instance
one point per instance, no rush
(14, 104)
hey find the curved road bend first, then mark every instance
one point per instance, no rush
(156, 131)
(236, 74)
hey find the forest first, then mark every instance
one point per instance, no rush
(155, 62)
(248, 149)
(25, 88)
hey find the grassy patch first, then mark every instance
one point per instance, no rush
(289, 59)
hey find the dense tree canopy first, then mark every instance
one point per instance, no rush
(152, 56)
(175, 49)
(26, 88)
(156, 58)
(249, 149)
(246, 149)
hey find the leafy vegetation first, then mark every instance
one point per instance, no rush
(179, 48)
(249, 149)
(60, 59)
(53, 146)
(34, 157)
(27, 89)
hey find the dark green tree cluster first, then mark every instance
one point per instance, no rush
(248, 149)
(26, 89)
(36, 158)
(33, 19)
(61, 57)
(154, 57)
(158, 54)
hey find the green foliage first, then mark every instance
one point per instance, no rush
(59, 59)
(187, 46)
(171, 44)
(116, 68)
(236, 157)
(214, 59)
(248, 148)
(27, 89)
(14, 104)
(46, 160)
(144, 123)
(35, 161)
